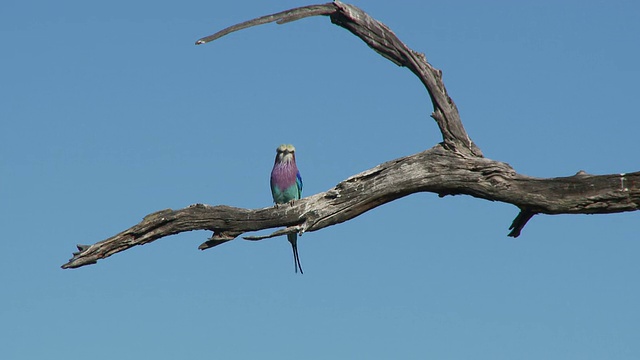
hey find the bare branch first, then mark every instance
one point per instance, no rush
(436, 170)
(381, 39)
(455, 166)
(281, 18)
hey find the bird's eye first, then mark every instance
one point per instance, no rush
(290, 148)
(281, 148)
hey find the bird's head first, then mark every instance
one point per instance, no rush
(285, 153)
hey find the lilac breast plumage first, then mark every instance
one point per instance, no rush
(284, 175)
(284, 182)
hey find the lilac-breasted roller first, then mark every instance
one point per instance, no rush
(286, 186)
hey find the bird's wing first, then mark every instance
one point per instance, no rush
(299, 184)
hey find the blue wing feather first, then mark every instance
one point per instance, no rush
(299, 184)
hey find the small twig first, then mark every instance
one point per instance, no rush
(280, 18)
(285, 231)
(519, 222)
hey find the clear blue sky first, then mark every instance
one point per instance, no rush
(110, 112)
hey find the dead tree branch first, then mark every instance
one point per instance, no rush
(455, 166)
(381, 39)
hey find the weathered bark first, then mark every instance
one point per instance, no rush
(455, 166)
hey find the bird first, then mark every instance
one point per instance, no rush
(286, 186)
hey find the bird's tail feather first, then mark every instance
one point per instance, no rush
(293, 239)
